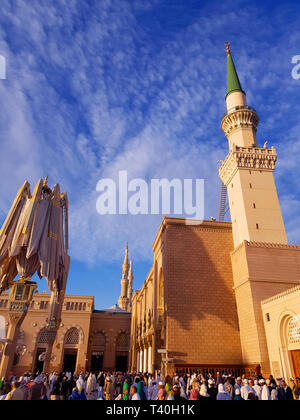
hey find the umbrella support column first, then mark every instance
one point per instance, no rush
(19, 299)
(15, 321)
(51, 335)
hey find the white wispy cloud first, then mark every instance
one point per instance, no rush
(102, 86)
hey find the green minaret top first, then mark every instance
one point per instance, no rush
(233, 82)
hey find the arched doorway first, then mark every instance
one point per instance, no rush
(97, 351)
(71, 343)
(290, 345)
(122, 348)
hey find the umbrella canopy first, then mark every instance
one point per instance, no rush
(33, 237)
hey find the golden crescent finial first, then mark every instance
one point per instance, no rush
(46, 181)
(228, 48)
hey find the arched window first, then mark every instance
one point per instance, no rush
(43, 337)
(99, 340)
(293, 331)
(122, 340)
(72, 336)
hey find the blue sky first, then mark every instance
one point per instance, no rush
(98, 86)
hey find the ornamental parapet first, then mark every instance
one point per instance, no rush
(239, 117)
(254, 158)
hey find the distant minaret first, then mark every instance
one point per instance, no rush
(130, 282)
(123, 299)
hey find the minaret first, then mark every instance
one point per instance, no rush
(123, 300)
(247, 171)
(130, 282)
(261, 259)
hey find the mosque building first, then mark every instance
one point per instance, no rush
(224, 296)
(219, 296)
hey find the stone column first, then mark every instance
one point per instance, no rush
(145, 360)
(20, 296)
(141, 360)
(153, 355)
(15, 321)
(51, 335)
(149, 368)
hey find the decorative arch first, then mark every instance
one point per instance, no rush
(94, 334)
(122, 338)
(36, 334)
(72, 336)
(161, 290)
(71, 327)
(283, 328)
(289, 338)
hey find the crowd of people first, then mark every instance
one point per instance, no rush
(129, 386)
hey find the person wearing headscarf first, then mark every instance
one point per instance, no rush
(237, 396)
(91, 387)
(152, 390)
(222, 393)
(203, 391)
(169, 391)
(228, 386)
(52, 380)
(140, 388)
(126, 390)
(80, 383)
(109, 389)
(77, 395)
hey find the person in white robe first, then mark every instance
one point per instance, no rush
(134, 395)
(222, 393)
(80, 383)
(257, 389)
(246, 389)
(265, 393)
(91, 387)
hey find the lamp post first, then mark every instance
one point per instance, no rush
(20, 296)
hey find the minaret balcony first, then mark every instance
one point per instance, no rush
(255, 158)
(239, 117)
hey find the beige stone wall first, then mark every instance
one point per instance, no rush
(278, 312)
(111, 325)
(260, 271)
(191, 297)
(202, 324)
(77, 313)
